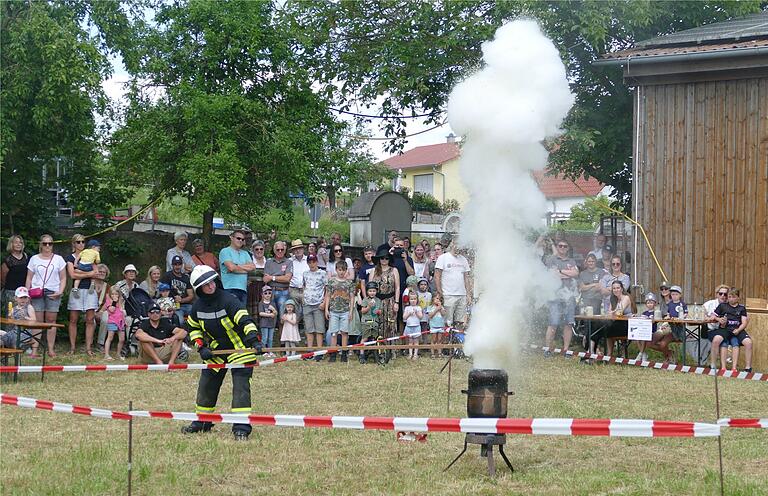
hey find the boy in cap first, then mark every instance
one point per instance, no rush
(86, 259)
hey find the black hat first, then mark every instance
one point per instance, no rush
(154, 306)
(372, 285)
(177, 260)
(383, 252)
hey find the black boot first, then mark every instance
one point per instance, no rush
(333, 357)
(197, 426)
(344, 358)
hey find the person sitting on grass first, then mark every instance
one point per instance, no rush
(733, 319)
(661, 336)
(339, 305)
(159, 341)
(370, 310)
(115, 308)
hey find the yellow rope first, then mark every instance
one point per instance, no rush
(633, 221)
(113, 227)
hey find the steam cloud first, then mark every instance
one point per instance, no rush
(505, 111)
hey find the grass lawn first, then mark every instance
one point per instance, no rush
(53, 453)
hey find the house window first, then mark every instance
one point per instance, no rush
(423, 183)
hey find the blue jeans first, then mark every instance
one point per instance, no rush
(183, 311)
(267, 335)
(240, 294)
(279, 297)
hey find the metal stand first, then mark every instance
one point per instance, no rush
(486, 442)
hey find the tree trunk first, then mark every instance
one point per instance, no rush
(331, 193)
(207, 228)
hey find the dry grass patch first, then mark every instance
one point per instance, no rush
(51, 453)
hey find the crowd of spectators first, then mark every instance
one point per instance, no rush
(333, 298)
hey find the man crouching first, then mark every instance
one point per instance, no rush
(219, 321)
(159, 340)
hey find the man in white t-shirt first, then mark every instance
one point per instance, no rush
(453, 284)
(721, 296)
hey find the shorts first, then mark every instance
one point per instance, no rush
(112, 327)
(314, 320)
(339, 322)
(46, 304)
(455, 308)
(740, 337)
(561, 312)
(723, 333)
(85, 267)
(82, 301)
(163, 353)
(413, 332)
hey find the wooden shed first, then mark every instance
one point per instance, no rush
(700, 166)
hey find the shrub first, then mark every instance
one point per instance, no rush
(423, 202)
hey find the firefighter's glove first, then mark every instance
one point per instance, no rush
(205, 353)
(253, 340)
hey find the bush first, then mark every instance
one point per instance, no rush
(423, 202)
(450, 206)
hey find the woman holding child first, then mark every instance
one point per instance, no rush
(83, 299)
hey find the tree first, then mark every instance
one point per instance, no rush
(585, 216)
(52, 63)
(403, 58)
(346, 163)
(220, 112)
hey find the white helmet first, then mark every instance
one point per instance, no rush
(201, 275)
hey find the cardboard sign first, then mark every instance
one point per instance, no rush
(640, 329)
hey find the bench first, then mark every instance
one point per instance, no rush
(15, 353)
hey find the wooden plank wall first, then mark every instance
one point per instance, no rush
(703, 185)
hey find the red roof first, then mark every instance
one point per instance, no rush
(422, 156)
(558, 186)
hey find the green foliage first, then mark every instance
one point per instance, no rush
(450, 206)
(121, 248)
(403, 57)
(298, 225)
(586, 216)
(238, 127)
(424, 202)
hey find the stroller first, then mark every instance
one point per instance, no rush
(137, 306)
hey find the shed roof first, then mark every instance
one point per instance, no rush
(750, 26)
(422, 156)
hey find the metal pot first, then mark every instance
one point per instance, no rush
(487, 393)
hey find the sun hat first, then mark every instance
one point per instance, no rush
(676, 288)
(129, 267)
(22, 292)
(296, 243)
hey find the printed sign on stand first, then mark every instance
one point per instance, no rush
(640, 329)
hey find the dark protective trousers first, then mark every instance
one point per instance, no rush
(210, 384)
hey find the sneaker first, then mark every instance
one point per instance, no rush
(363, 360)
(748, 370)
(240, 436)
(197, 426)
(645, 357)
(183, 356)
(639, 357)
(547, 354)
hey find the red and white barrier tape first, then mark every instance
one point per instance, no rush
(754, 423)
(536, 427)
(185, 366)
(751, 376)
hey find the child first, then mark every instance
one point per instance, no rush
(677, 309)
(168, 310)
(733, 320)
(339, 305)
(20, 310)
(85, 261)
(115, 307)
(370, 310)
(267, 319)
(290, 334)
(425, 300)
(660, 338)
(412, 315)
(436, 314)
(164, 290)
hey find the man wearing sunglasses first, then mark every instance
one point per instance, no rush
(563, 306)
(236, 263)
(159, 340)
(721, 296)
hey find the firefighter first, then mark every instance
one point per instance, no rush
(219, 321)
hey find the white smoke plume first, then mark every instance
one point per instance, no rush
(505, 111)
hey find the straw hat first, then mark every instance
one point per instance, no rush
(296, 243)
